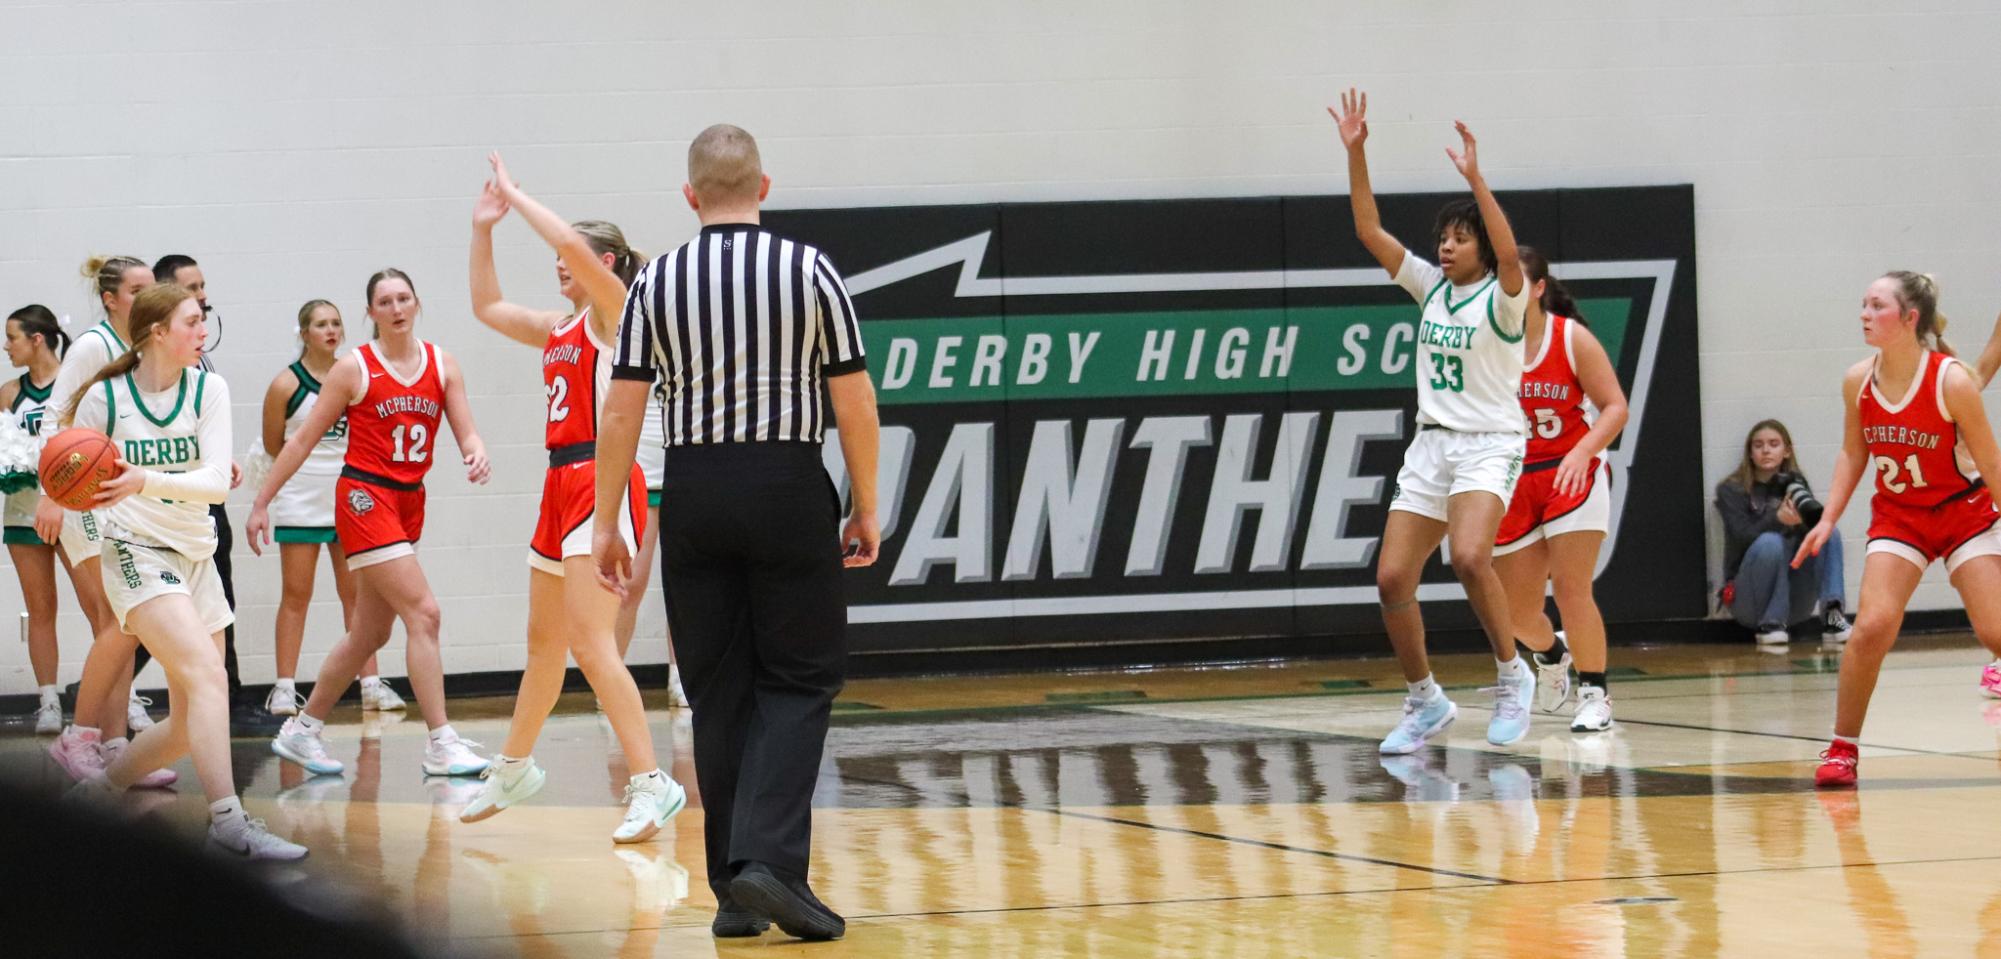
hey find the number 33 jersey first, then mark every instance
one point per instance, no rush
(1469, 350)
(1913, 443)
(393, 428)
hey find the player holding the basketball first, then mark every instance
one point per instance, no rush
(568, 615)
(105, 705)
(1915, 419)
(1460, 471)
(302, 515)
(393, 392)
(1562, 507)
(169, 430)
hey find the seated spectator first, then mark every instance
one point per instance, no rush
(1767, 507)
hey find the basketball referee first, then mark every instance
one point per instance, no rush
(745, 328)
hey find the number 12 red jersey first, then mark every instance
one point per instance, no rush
(393, 429)
(575, 373)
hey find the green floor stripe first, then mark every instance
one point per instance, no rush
(853, 707)
(1624, 671)
(1099, 696)
(1344, 684)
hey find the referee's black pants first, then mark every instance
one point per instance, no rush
(750, 560)
(223, 536)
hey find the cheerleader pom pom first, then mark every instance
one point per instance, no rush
(256, 463)
(20, 457)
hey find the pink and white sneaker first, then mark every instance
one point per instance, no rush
(157, 779)
(1990, 680)
(79, 754)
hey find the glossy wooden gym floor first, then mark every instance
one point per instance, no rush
(1224, 812)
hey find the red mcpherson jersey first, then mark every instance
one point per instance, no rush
(1552, 398)
(576, 369)
(1913, 442)
(393, 429)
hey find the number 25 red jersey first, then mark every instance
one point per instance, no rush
(574, 375)
(393, 429)
(1913, 442)
(1552, 398)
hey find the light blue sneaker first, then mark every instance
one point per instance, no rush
(1422, 720)
(1512, 699)
(294, 743)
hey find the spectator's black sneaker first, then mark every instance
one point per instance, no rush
(787, 902)
(1834, 626)
(735, 922)
(250, 719)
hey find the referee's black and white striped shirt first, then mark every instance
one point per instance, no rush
(742, 327)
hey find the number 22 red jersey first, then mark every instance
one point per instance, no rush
(1552, 398)
(574, 375)
(1913, 442)
(393, 429)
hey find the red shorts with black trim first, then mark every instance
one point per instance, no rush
(569, 498)
(376, 524)
(1955, 531)
(1538, 511)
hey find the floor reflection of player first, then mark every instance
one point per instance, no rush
(1871, 900)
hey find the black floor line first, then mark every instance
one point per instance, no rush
(1752, 732)
(1282, 847)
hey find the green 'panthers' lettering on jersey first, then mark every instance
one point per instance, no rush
(166, 451)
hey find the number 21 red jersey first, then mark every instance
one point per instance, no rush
(1913, 442)
(393, 429)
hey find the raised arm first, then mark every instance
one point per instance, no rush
(341, 388)
(458, 413)
(586, 266)
(517, 323)
(1601, 385)
(275, 398)
(1508, 261)
(1353, 120)
(1848, 464)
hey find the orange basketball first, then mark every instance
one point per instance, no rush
(74, 461)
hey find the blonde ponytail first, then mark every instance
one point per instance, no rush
(151, 309)
(1919, 291)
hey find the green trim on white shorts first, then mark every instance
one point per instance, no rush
(304, 534)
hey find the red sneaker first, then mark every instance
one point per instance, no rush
(1837, 766)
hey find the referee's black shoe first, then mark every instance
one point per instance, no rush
(735, 922)
(787, 902)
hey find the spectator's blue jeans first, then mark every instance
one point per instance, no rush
(1770, 591)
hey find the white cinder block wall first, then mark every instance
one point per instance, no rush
(295, 147)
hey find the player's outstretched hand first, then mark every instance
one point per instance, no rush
(1467, 159)
(490, 208)
(1815, 539)
(1352, 117)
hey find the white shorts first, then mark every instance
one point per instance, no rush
(134, 574)
(1441, 464)
(653, 451)
(303, 510)
(82, 537)
(1985, 544)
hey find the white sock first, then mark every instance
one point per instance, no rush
(285, 683)
(1511, 669)
(511, 768)
(117, 742)
(368, 681)
(309, 725)
(225, 809)
(1850, 740)
(1425, 689)
(444, 734)
(51, 695)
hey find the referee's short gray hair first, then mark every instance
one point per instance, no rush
(723, 165)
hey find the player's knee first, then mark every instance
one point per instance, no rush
(296, 593)
(1873, 634)
(423, 620)
(1472, 559)
(1395, 585)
